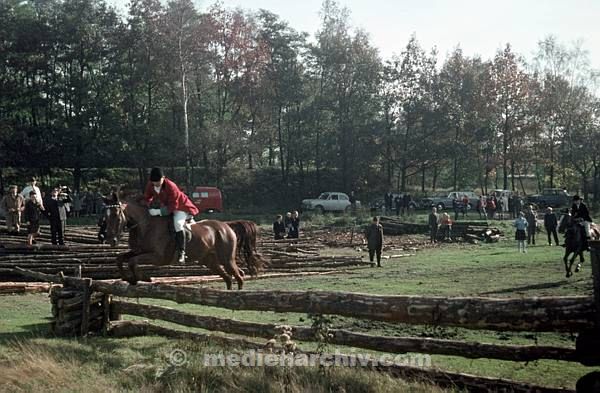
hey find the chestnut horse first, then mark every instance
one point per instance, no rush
(246, 233)
(212, 243)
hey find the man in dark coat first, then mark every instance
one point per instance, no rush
(434, 222)
(398, 204)
(278, 228)
(374, 236)
(388, 201)
(551, 223)
(531, 217)
(581, 213)
(55, 212)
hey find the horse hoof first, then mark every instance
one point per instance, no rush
(578, 268)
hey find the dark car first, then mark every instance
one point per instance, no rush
(553, 197)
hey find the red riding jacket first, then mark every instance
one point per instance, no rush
(170, 196)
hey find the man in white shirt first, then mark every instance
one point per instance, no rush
(33, 187)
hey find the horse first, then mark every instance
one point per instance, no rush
(247, 232)
(575, 241)
(212, 243)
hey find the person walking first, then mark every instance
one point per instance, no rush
(521, 235)
(32, 214)
(551, 223)
(172, 201)
(433, 222)
(374, 236)
(531, 217)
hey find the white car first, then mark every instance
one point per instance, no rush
(328, 202)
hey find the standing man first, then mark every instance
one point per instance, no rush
(389, 201)
(530, 216)
(53, 212)
(172, 201)
(433, 221)
(278, 228)
(294, 232)
(33, 187)
(398, 204)
(13, 204)
(550, 223)
(374, 236)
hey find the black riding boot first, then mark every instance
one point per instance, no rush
(180, 243)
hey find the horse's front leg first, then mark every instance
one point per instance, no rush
(569, 273)
(133, 262)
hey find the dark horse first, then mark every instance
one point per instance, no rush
(212, 243)
(575, 241)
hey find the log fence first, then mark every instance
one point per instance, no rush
(84, 306)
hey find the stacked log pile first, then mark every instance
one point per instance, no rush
(471, 231)
(77, 311)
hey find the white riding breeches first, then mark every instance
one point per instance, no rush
(179, 218)
(588, 229)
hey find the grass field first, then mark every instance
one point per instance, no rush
(30, 360)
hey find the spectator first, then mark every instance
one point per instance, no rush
(446, 227)
(55, 213)
(457, 207)
(32, 215)
(77, 203)
(406, 203)
(520, 235)
(490, 207)
(398, 204)
(388, 202)
(481, 207)
(288, 222)
(294, 232)
(433, 222)
(352, 199)
(550, 223)
(505, 207)
(465, 205)
(33, 187)
(279, 228)
(13, 204)
(374, 236)
(530, 216)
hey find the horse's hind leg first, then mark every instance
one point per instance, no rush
(569, 273)
(213, 264)
(233, 270)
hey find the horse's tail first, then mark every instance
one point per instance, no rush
(247, 233)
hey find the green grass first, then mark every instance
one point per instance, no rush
(495, 270)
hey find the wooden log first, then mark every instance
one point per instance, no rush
(85, 307)
(529, 314)
(399, 370)
(523, 353)
(568, 313)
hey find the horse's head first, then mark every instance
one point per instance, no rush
(116, 219)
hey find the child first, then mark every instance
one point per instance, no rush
(32, 214)
(446, 226)
(279, 228)
(521, 234)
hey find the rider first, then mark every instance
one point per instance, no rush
(173, 200)
(580, 211)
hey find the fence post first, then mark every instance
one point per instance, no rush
(85, 307)
(588, 341)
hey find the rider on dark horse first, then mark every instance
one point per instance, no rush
(172, 201)
(581, 214)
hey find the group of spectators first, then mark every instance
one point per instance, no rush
(500, 206)
(402, 204)
(288, 227)
(31, 204)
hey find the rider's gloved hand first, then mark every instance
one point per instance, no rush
(154, 212)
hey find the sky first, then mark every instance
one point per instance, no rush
(479, 27)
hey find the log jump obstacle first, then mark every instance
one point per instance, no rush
(83, 306)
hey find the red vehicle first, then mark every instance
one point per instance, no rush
(207, 199)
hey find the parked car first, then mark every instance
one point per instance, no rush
(328, 202)
(207, 199)
(445, 202)
(554, 197)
